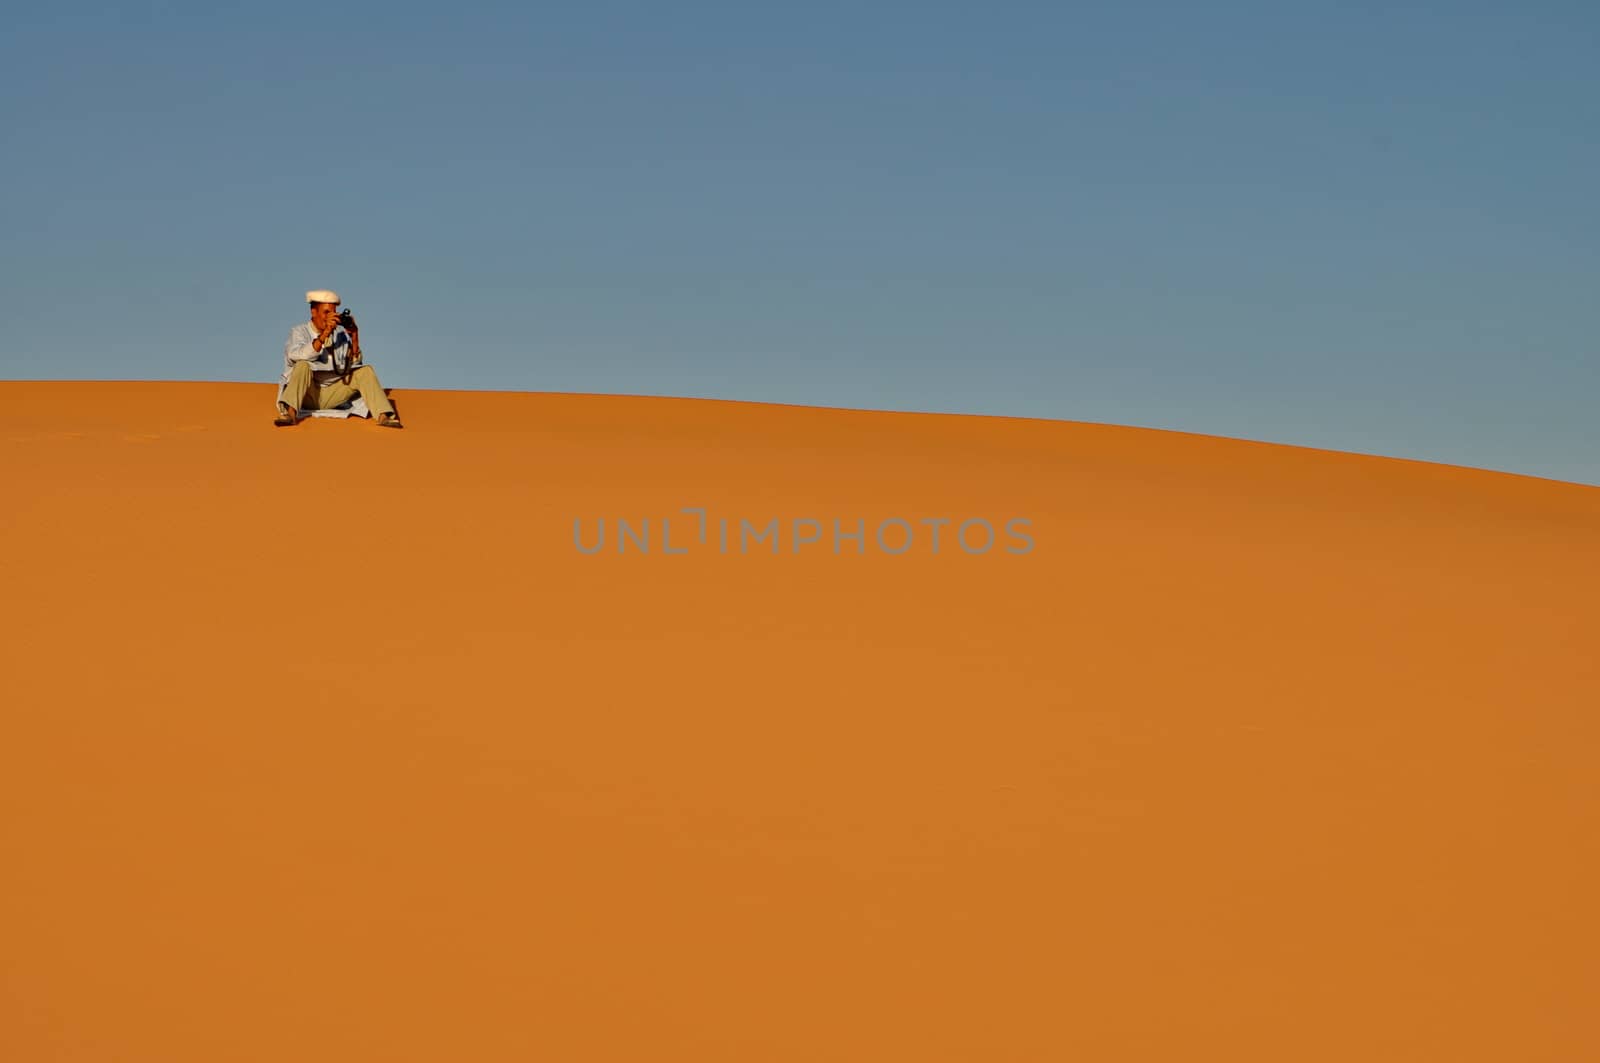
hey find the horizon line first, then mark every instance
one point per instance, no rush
(842, 409)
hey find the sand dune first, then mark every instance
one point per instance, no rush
(330, 743)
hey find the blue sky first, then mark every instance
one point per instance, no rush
(1368, 227)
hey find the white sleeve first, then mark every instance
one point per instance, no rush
(298, 349)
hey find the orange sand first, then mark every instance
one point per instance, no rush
(327, 744)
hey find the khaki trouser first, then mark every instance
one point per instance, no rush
(302, 393)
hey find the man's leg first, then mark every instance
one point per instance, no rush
(296, 391)
(365, 380)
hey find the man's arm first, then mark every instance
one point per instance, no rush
(303, 345)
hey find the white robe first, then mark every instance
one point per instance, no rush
(356, 407)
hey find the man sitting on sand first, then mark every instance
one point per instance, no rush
(322, 366)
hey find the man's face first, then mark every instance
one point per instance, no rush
(323, 315)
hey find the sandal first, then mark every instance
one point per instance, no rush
(389, 420)
(286, 416)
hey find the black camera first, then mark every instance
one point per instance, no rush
(347, 320)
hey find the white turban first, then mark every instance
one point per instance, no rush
(322, 295)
